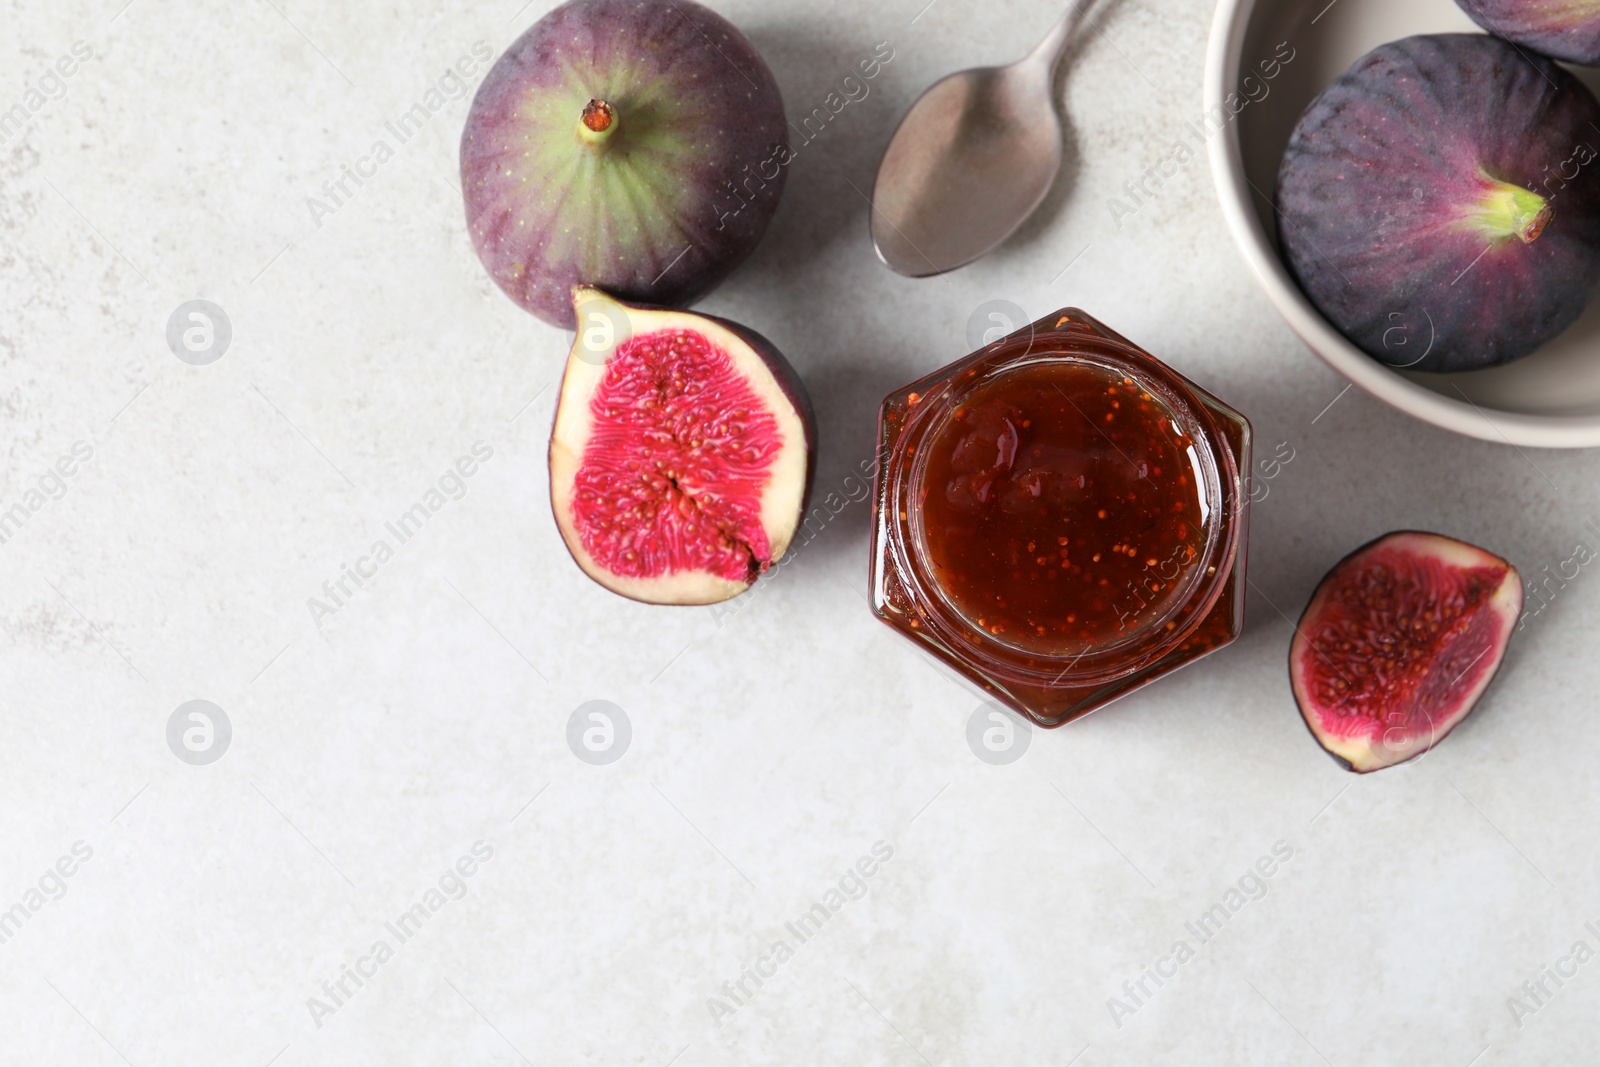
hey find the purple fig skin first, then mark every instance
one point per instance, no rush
(1560, 29)
(656, 208)
(1439, 203)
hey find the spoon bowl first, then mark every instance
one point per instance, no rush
(971, 161)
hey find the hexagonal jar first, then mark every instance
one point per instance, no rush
(1061, 517)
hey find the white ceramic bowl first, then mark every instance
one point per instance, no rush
(1550, 399)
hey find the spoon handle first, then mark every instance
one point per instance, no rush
(1049, 51)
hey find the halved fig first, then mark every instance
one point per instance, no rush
(682, 453)
(1398, 643)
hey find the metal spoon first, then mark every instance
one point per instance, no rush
(972, 159)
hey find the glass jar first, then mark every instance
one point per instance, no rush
(1061, 517)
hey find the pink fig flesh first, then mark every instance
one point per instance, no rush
(681, 457)
(1398, 643)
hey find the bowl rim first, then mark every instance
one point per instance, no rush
(1234, 189)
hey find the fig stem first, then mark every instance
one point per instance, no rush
(598, 122)
(1505, 210)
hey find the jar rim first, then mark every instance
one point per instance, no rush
(1156, 635)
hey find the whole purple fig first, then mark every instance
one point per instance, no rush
(1439, 203)
(638, 146)
(1561, 29)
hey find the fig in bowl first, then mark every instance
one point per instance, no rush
(682, 454)
(1561, 29)
(638, 146)
(1439, 202)
(1398, 643)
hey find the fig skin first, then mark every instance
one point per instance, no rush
(1439, 203)
(774, 380)
(639, 146)
(1560, 29)
(1359, 742)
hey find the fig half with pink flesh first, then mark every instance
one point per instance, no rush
(682, 454)
(1398, 643)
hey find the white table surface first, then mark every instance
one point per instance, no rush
(772, 747)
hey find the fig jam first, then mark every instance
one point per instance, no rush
(1060, 517)
(1059, 505)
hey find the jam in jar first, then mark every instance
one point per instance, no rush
(1060, 517)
